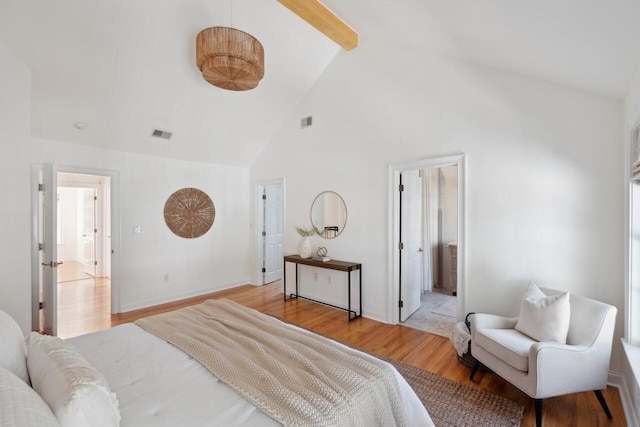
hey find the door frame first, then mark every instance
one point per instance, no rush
(115, 232)
(393, 252)
(35, 242)
(259, 188)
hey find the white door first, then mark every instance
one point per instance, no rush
(411, 238)
(272, 243)
(47, 238)
(89, 230)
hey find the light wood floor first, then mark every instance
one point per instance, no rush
(431, 352)
(72, 270)
(84, 302)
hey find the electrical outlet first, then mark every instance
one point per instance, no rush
(329, 279)
(315, 277)
(166, 277)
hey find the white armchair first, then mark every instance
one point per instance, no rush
(547, 369)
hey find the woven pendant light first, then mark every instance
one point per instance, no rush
(229, 58)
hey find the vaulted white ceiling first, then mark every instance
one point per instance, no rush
(126, 67)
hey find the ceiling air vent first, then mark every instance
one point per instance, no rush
(161, 134)
(305, 122)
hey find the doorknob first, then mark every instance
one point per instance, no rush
(420, 250)
(52, 264)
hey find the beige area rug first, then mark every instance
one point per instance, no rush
(453, 404)
(437, 314)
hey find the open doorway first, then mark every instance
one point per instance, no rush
(428, 230)
(429, 234)
(83, 243)
(45, 237)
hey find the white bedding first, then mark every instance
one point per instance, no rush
(159, 385)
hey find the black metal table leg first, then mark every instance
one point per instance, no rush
(284, 279)
(360, 288)
(349, 299)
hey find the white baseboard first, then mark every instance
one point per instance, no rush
(616, 379)
(380, 317)
(175, 297)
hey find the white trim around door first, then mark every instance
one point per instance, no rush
(114, 194)
(393, 256)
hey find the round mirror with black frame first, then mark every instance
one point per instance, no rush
(329, 214)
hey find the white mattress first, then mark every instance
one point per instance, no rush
(159, 385)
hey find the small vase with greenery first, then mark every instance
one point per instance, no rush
(307, 232)
(304, 248)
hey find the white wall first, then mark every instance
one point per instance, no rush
(632, 100)
(68, 224)
(15, 115)
(631, 363)
(544, 199)
(450, 204)
(217, 260)
(449, 218)
(544, 163)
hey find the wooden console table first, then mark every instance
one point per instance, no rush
(332, 265)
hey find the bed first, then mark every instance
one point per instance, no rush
(142, 380)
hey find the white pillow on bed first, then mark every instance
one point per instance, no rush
(20, 405)
(13, 354)
(75, 391)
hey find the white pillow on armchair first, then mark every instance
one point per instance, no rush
(544, 318)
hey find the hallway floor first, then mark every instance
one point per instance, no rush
(84, 302)
(437, 314)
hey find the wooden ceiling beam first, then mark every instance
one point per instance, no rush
(324, 20)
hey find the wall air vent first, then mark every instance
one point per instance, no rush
(161, 134)
(305, 122)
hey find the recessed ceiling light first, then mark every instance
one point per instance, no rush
(80, 125)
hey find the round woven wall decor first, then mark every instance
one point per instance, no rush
(189, 213)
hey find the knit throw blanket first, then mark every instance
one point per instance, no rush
(294, 376)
